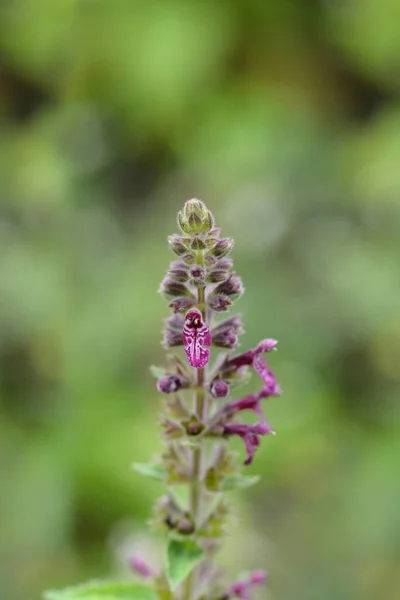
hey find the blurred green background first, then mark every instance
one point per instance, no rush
(284, 117)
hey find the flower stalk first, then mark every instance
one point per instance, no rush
(200, 287)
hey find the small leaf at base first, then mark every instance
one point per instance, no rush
(103, 590)
(154, 471)
(182, 557)
(235, 482)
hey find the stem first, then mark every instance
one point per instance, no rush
(196, 491)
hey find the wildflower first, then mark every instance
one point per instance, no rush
(196, 336)
(249, 434)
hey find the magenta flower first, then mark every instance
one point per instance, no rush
(250, 402)
(242, 589)
(249, 434)
(196, 336)
(142, 568)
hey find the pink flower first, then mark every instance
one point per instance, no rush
(242, 589)
(141, 567)
(249, 434)
(196, 336)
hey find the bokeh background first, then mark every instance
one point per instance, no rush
(284, 117)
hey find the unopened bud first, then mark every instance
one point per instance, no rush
(197, 243)
(210, 260)
(169, 384)
(176, 243)
(195, 223)
(185, 526)
(224, 263)
(225, 334)
(178, 274)
(182, 304)
(217, 275)
(231, 287)
(222, 248)
(219, 303)
(197, 275)
(189, 258)
(227, 339)
(141, 567)
(195, 217)
(170, 287)
(219, 388)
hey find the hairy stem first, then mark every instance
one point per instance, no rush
(196, 488)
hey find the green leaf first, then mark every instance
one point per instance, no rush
(182, 557)
(154, 471)
(234, 482)
(103, 590)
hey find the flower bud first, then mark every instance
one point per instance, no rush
(218, 303)
(219, 388)
(227, 339)
(210, 260)
(224, 263)
(170, 287)
(141, 567)
(182, 304)
(197, 243)
(189, 258)
(178, 274)
(231, 287)
(222, 248)
(225, 334)
(169, 384)
(217, 275)
(177, 243)
(173, 329)
(185, 526)
(197, 275)
(195, 217)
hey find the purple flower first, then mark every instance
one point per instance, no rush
(141, 567)
(251, 402)
(246, 358)
(249, 434)
(242, 589)
(261, 368)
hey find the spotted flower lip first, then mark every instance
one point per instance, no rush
(196, 339)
